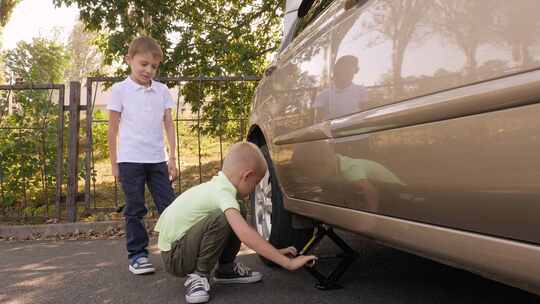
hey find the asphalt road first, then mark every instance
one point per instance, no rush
(96, 272)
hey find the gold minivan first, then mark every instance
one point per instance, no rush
(412, 122)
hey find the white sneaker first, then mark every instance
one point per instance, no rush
(141, 265)
(197, 289)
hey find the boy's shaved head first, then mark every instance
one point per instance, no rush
(244, 156)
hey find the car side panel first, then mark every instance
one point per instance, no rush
(477, 173)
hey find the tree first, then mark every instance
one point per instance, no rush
(199, 38)
(519, 27)
(6, 8)
(39, 61)
(466, 24)
(28, 147)
(86, 59)
(398, 21)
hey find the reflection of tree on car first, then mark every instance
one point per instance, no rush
(292, 88)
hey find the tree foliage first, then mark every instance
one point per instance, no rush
(6, 8)
(28, 136)
(86, 59)
(39, 61)
(199, 38)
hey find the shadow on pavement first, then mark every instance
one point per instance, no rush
(96, 272)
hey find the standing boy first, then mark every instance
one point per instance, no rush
(203, 227)
(138, 109)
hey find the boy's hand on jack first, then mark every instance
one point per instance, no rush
(301, 260)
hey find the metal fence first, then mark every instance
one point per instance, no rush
(31, 151)
(70, 150)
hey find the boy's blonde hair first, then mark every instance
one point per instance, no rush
(243, 156)
(145, 44)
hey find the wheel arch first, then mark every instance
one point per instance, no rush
(256, 135)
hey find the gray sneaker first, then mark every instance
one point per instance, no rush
(240, 274)
(197, 288)
(141, 265)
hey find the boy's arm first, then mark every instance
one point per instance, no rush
(112, 134)
(253, 240)
(171, 139)
(371, 193)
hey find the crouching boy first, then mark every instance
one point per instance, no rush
(203, 228)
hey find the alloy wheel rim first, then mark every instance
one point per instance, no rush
(263, 206)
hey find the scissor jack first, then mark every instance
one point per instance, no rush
(347, 257)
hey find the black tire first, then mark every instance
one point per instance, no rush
(282, 234)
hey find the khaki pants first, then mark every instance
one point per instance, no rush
(209, 240)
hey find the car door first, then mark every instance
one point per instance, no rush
(302, 149)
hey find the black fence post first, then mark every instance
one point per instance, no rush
(89, 144)
(59, 152)
(73, 149)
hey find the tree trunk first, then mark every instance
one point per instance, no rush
(397, 62)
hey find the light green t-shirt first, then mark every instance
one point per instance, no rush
(192, 206)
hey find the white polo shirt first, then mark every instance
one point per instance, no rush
(140, 135)
(335, 102)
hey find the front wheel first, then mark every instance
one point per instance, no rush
(269, 216)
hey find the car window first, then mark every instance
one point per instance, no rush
(314, 11)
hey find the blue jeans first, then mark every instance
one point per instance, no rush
(133, 177)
